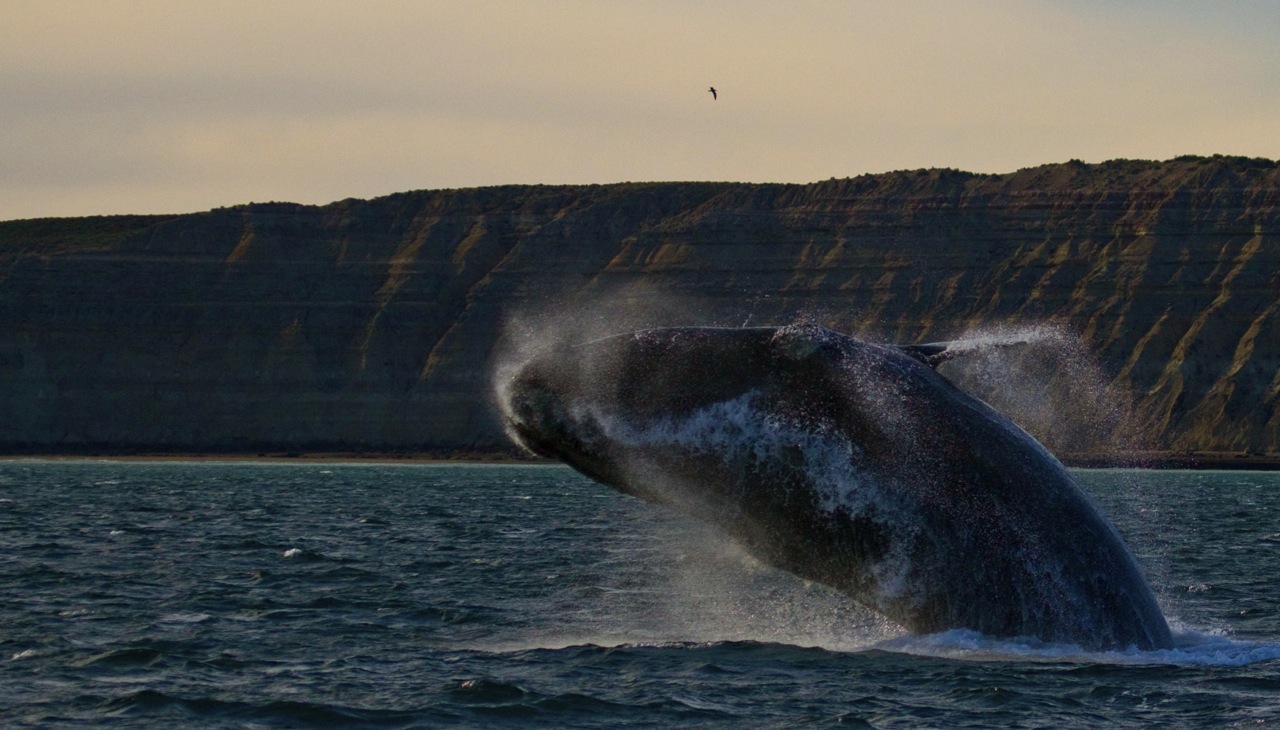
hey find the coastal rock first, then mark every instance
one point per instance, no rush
(374, 325)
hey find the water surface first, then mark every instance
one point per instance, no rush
(297, 595)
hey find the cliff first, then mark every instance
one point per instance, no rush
(374, 325)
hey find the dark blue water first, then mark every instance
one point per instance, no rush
(300, 595)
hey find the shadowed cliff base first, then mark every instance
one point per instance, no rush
(1146, 460)
(371, 326)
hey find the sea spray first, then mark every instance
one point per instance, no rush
(1047, 380)
(949, 515)
(565, 320)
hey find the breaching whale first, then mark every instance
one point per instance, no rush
(848, 463)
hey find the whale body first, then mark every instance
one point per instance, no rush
(848, 463)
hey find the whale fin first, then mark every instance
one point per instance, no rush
(932, 354)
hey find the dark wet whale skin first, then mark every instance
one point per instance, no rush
(848, 463)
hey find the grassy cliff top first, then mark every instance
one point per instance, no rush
(62, 235)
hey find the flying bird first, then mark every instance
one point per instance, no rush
(713, 93)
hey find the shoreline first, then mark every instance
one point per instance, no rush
(1131, 460)
(278, 457)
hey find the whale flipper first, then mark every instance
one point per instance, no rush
(932, 354)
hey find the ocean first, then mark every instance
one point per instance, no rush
(294, 595)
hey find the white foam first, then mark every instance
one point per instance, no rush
(1191, 648)
(739, 432)
(185, 618)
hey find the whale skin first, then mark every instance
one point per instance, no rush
(845, 462)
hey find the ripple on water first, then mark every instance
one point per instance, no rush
(455, 605)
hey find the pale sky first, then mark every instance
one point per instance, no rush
(168, 106)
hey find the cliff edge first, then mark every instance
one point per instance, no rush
(374, 325)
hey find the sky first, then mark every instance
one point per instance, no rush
(172, 106)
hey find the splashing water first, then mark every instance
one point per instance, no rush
(1005, 336)
(526, 334)
(1046, 379)
(1192, 648)
(473, 596)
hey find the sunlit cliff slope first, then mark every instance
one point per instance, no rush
(373, 325)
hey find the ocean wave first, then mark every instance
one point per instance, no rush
(155, 704)
(1191, 648)
(499, 698)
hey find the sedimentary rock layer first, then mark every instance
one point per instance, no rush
(374, 325)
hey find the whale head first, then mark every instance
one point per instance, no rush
(600, 405)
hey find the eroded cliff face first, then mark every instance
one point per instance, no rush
(374, 325)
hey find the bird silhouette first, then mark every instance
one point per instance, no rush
(713, 93)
